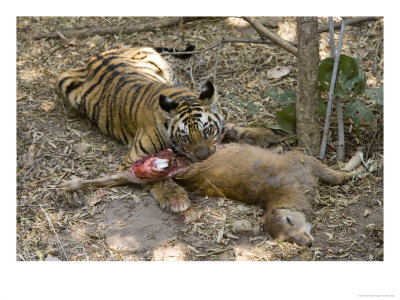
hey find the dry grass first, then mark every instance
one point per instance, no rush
(55, 144)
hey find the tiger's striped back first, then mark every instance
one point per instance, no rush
(142, 65)
(134, 96)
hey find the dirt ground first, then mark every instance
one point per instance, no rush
(55, 144)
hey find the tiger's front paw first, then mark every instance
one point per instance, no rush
(259, 136)
(170, 196)
(174, 203)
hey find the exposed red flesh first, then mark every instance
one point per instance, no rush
(151, 168)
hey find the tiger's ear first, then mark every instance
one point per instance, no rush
(206, 93)
(167, 104)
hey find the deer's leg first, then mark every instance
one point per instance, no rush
(118, 178)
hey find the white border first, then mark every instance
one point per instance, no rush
(198, 280)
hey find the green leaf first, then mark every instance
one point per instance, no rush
(325, 74)
(291, 140)
(288, 96)
(321, 108)
(286, 118)
(358, 111)
(274, 126)
(376, 94)
(348, 66)
(231, 96)
(272, 92)
(350, 78)
(357, 61)
(359, 87)
(250, 106)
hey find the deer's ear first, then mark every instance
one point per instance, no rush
(167, 103)
(206, 93)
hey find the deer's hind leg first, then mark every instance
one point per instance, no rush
(327, 174)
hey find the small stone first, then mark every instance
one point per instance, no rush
(168, 254)
(51, 258)
(246, 227)
(82, 148)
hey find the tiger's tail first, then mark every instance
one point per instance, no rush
(172, 50)
(68, 83)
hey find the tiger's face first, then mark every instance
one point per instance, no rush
(196, 134)
(196, 125)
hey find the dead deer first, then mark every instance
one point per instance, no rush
(243, 172)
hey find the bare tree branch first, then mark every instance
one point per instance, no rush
(340, 125)
(339, 110)
(331, 91)
(265, 33)
(223, 41)
(68, 41)
(332, 37)
(354, 21)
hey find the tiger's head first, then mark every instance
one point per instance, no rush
(194, 124)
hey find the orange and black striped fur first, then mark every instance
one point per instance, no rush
(134, 96)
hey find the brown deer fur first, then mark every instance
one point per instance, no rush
(254, 175)
(277, 181)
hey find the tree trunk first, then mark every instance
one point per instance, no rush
(307, 126)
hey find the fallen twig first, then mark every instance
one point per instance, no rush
(371, 143)
(31, 205)
(55, 233)
(265, 33)
(375, 66)
(244, 70)
(215, 251)
(35, 162)
(117, 30)
(215, 72)
(216, 65)
(75, 36)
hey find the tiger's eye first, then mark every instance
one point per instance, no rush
(206, 131)
(185, 138)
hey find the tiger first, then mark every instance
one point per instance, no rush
(134, 96)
